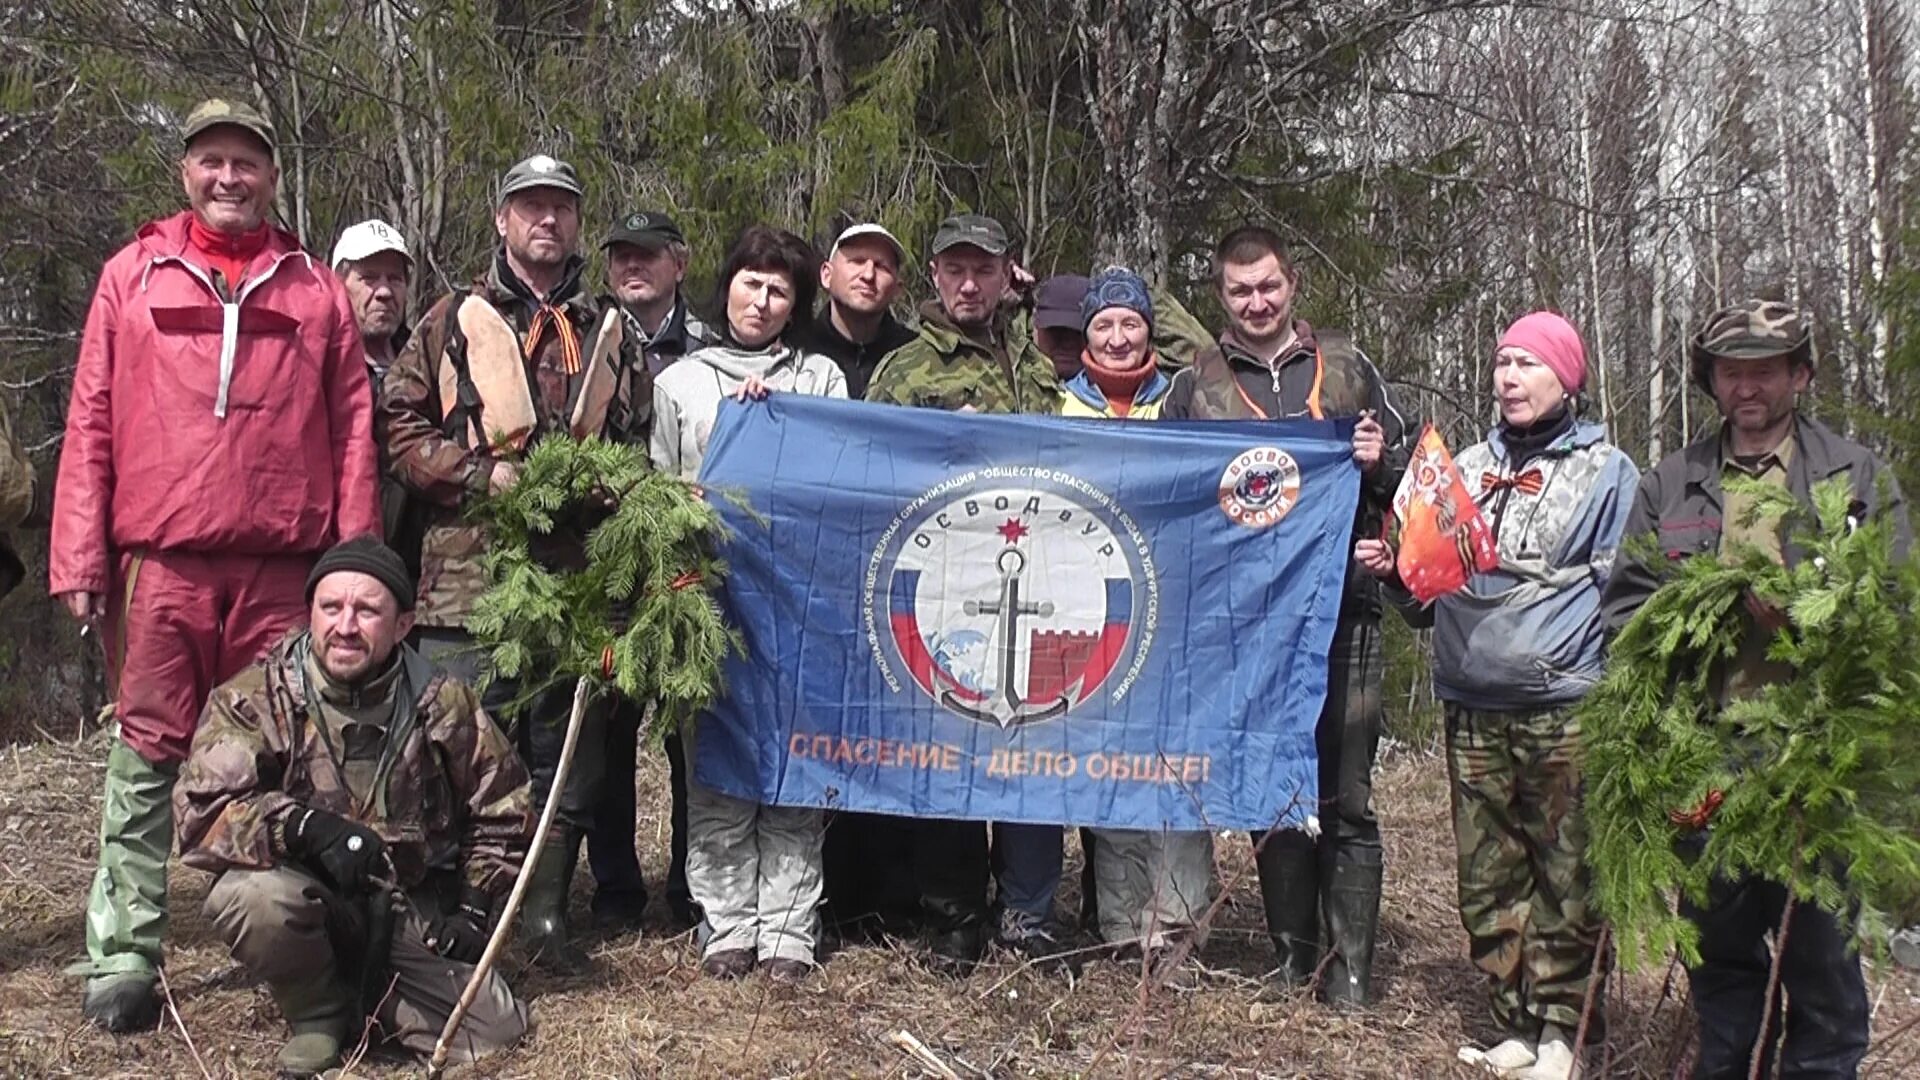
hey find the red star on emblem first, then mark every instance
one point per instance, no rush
(1013, 530)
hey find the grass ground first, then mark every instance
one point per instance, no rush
(645, 1012)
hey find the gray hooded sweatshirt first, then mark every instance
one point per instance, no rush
(687, 395)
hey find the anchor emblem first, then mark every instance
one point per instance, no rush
(1012, 708)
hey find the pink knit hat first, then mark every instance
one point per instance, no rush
(1555, 342)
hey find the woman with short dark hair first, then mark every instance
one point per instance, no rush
(754, 869)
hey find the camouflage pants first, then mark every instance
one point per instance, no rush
(1521, 840)
(275, 922)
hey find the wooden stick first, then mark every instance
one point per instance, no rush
(504, 930)
(1773, 988)
(918, 1051)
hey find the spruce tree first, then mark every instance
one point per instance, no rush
(1814, 782)
(603, 568)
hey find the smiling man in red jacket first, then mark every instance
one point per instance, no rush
(219, 437)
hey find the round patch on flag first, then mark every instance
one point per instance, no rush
(1259, 487)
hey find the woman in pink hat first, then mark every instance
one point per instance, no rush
(1514, 652)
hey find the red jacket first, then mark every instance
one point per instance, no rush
(196, 425)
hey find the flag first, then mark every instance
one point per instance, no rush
(1026, 618)
(1444, 540)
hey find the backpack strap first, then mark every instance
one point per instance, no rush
(461, 418)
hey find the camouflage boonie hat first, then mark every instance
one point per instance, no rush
(1750, 330)
(214, 112)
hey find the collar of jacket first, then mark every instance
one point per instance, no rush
(680, 328)
(891, 335)
(1303, 346)
(504, 284)
(1821, 453)
(947, 338)
(167, 238)
(374, 691)
(1583, 434)
(1082, 386)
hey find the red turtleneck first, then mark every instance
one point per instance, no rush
(1119, 386)
(228, 253)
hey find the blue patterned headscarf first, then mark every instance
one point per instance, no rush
(1116, 286)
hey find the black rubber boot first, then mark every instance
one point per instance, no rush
(543, 917)
(122, 1004)
(1353, 917)
(1290, 890)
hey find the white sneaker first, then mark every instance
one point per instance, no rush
(1505, 1059)
(1555, 1060)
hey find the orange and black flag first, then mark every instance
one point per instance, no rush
(1443, 539)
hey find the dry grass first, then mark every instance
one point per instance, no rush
(645, 1012)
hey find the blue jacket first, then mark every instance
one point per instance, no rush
(1529, 634)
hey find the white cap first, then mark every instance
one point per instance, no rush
(367, 239)
(854, 232)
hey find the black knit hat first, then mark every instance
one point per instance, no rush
(366, 555)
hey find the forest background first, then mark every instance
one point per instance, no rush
(1439, 166)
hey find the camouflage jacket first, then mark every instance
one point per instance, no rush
(449, 794)
(433, 458)
(943, 368)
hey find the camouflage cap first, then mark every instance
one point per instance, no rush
(978, 230)
(539, 170)
(214, 112)
(1749, 330)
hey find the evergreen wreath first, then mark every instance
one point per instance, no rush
(603, 568)
(1813, 783)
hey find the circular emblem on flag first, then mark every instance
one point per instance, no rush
(1260, 486)
(1010, 596)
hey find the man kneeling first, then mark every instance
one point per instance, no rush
(363, 814)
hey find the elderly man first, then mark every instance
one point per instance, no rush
(1270, 365)
(1756, 359)
(525, 353)
(363, 815)
(375, 268)
(219, 437)
(971, 355)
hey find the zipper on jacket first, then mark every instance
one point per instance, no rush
(229, 319)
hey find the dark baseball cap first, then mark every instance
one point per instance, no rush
(1056, 303)
(214, 112)
(978, 230)
(648, 229)
(540, 170)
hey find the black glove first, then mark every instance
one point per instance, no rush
(461, 934)
(345, 854)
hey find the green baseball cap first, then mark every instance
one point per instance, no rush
(978, 230)
(648, 229)
(540, 170)
(214, 112)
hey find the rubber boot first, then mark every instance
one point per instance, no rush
(1290, 890)
(122, 1003)
(127, 905)
(1353, 917)
(543, 918)
(319, 1012)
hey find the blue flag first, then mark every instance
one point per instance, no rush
(1018, 618)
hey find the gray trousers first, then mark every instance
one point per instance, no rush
(755, 870)
(1150, 884)
(275, 922)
